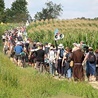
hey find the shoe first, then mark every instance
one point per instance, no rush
(59, 75)
(53, 75)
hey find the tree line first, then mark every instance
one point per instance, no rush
(18, 13)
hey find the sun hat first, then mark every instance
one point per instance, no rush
(60, 46)
(18, 43)
(90, 48)
(78, 45)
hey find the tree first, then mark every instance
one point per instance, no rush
(52, 11)
(8, 15)
(19, 11)
(2, 7)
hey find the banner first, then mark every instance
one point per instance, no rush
(57, 35)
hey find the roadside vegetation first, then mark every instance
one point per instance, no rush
(16, 82)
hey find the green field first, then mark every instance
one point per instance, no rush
(16, 82)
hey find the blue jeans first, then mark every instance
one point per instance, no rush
(67, 70)
(69, 73)
(52, 68)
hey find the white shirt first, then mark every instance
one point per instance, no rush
(51, 55)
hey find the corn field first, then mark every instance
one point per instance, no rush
(74, 31)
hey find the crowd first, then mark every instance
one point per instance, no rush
(78, 62)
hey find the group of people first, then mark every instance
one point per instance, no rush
(65, 62)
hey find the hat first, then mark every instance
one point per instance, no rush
(38, 43)
(75, 44)
(51, 47)
(90, 48)
(60, 46)
(49, 44)
(78, 45)
(18, 43)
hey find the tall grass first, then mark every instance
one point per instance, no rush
(18, 82)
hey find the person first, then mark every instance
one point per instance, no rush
(5, 47)
(3, 38)
(77, 58)
(91, 65)
(75, 47)
(18, 49)
(96, 54)
(66, 63)
(81, 44)
(51, 56)
(84, 47)
(60, 54)
(40, 55)
(32, 55)
(47, 47)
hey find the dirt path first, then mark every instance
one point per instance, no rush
(65, 96)
(94, 84)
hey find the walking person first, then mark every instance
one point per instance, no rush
(90, 59)
(96, 54)
(51, 56)
(60, 54)
(40, 55)
(66, 63)
(78, 57)
(18, 49)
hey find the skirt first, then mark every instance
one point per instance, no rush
(91, 67)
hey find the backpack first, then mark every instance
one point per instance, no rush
(68, 57)
(61, 53)
(91, 57)
(46, 50)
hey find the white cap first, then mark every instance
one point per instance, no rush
(51, 47)
(60, 46)
(18, 43)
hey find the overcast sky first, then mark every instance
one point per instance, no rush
(71, 8)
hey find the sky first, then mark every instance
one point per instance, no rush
(71, 8)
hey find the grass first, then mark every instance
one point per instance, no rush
(16, 82)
